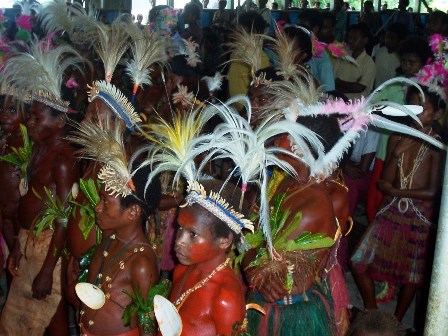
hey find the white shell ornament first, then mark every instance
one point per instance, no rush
(23, 186)
(75, 190)
(89, 294)
(170, 323)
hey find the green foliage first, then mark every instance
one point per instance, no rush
(54, 210)
(280, 233)
(85, 262)
(87, 211)
(20, 156)
(143, 308)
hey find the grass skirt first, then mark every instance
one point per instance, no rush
(395, 245)
(305, 318)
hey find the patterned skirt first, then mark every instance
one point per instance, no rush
(395, 245)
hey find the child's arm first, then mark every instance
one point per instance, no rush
(229, 308)
(65, 172)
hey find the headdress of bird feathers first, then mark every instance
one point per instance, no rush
(247, 48)
(147, 50)
(300, 97)
(110, 43)
(246, 147)
(175, 146)
(16, 93)
(190, 50)
(41, 72)
(102, 142)
(213, 83)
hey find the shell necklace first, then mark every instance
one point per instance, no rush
(183, 297)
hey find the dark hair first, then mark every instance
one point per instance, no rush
(399, 29)
(329, 16)
(312, 16)
(418, 45)
(376, 321)
(303, 40)
(436, 101)
(193, 9)
(147, 200)
(326, 127)
(253, 22)
(362, 27)
(179, 66)
(232, 195)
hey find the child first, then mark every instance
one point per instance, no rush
(35, 261)
(356, 80)
(12, 114)
(206, 292)
(395, 246)
(124, 262)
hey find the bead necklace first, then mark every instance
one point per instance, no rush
(183, 297)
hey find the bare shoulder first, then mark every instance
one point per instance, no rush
(143, 265)
(227, 282)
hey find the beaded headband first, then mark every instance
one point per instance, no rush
(116, 100)
(217, 206)
(51, 100)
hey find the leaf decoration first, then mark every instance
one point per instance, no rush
(54, 210)
(143, 308)
(90, 189)
(306, 241)
(20, 156)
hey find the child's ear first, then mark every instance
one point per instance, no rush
(61, 120)
(225, 242)
(134, 212)
(439, 114)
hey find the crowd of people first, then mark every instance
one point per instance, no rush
(219, 167)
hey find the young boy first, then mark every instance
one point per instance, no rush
(206, 292)
(35, 261)
(356, 80)
(306, 301)
(12, 114)
(395, 246)
(124, 261)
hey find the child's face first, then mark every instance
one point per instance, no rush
(99, 111)
(108, 212)
(194, 239)
(392, 40)
(10, 117)
(42, 125)
(258, 99)
(410, 64)
(356, 40)
(428, 115)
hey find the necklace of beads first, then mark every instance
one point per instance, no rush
(183, 297)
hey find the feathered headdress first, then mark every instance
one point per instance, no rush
(235, 139)
(174, 148)
(354, 117)
(41, 72)
(147, 50)
(27, 7)
(191, 52)
(116, 100)
(213, 83)
(434, 75)
(16, 93)
(110, 43)
(56, 16)
(103, 143)
(247, 49)
(287, 51)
